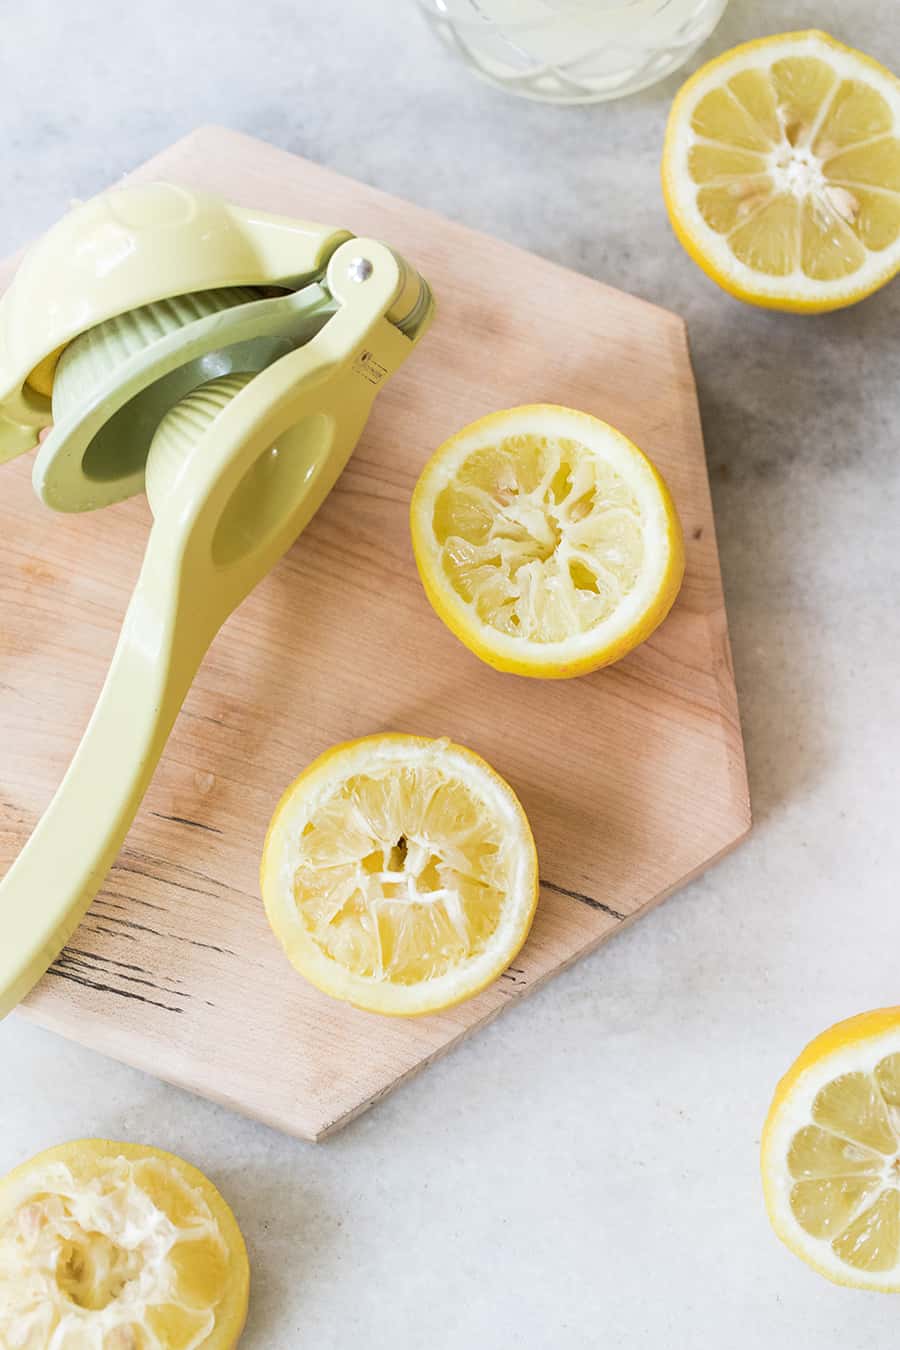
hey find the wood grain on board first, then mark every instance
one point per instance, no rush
(634, 778)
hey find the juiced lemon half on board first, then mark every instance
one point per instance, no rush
(781, 172)
(831, 1153)
(400, 873)
(546, 541)
(109, 1246)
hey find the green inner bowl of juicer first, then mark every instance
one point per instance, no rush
(115, 383)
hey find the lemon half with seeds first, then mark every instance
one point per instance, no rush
(781, 172)
(111, 1246)
(831, 1153)
(546, 541)
(400, 873)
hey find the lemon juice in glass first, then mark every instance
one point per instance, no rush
(573, 51)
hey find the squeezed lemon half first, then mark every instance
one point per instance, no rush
(546, 541)
(400, 873)
(111, 1246)
(831, 1153)
(781, 172)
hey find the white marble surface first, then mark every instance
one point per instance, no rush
(584, 1172)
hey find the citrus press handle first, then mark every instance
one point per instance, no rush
(57, 874)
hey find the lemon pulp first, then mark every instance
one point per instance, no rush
(400, 873)
(117, 1247)
(845, 1168)
(546, 541)
(539, 536)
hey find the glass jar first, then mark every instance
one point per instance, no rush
(573, 51)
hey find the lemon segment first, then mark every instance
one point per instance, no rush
(831, 1153)
(400, 874)
(111, 1246)
(546, 541)
(781, 172)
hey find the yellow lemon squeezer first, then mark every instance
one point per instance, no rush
(225, 360)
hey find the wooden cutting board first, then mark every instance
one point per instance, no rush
(634, 778)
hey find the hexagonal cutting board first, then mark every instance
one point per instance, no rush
(634, 778)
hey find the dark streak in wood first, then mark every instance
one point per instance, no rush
(585, 899)
(209, 946)
(194, 890)
(110, 989)
(107, 932)
(190, 871)
(132, 899)
(97, 969)
(174, 937)
(183, 820)
(93, 956)
(202, 717)
(154, 876)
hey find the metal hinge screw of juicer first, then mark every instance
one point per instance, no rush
(360, 269)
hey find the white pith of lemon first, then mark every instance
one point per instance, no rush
(112, 1246)
(400, 873)
(546, 541)
(831, 1153)
(781, 172)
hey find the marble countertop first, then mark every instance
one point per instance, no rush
(584, 1171)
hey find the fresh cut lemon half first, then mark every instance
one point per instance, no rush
(109, 1246)
(546, 541)
(400, 873)
(831, 1153)
(781, 172)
